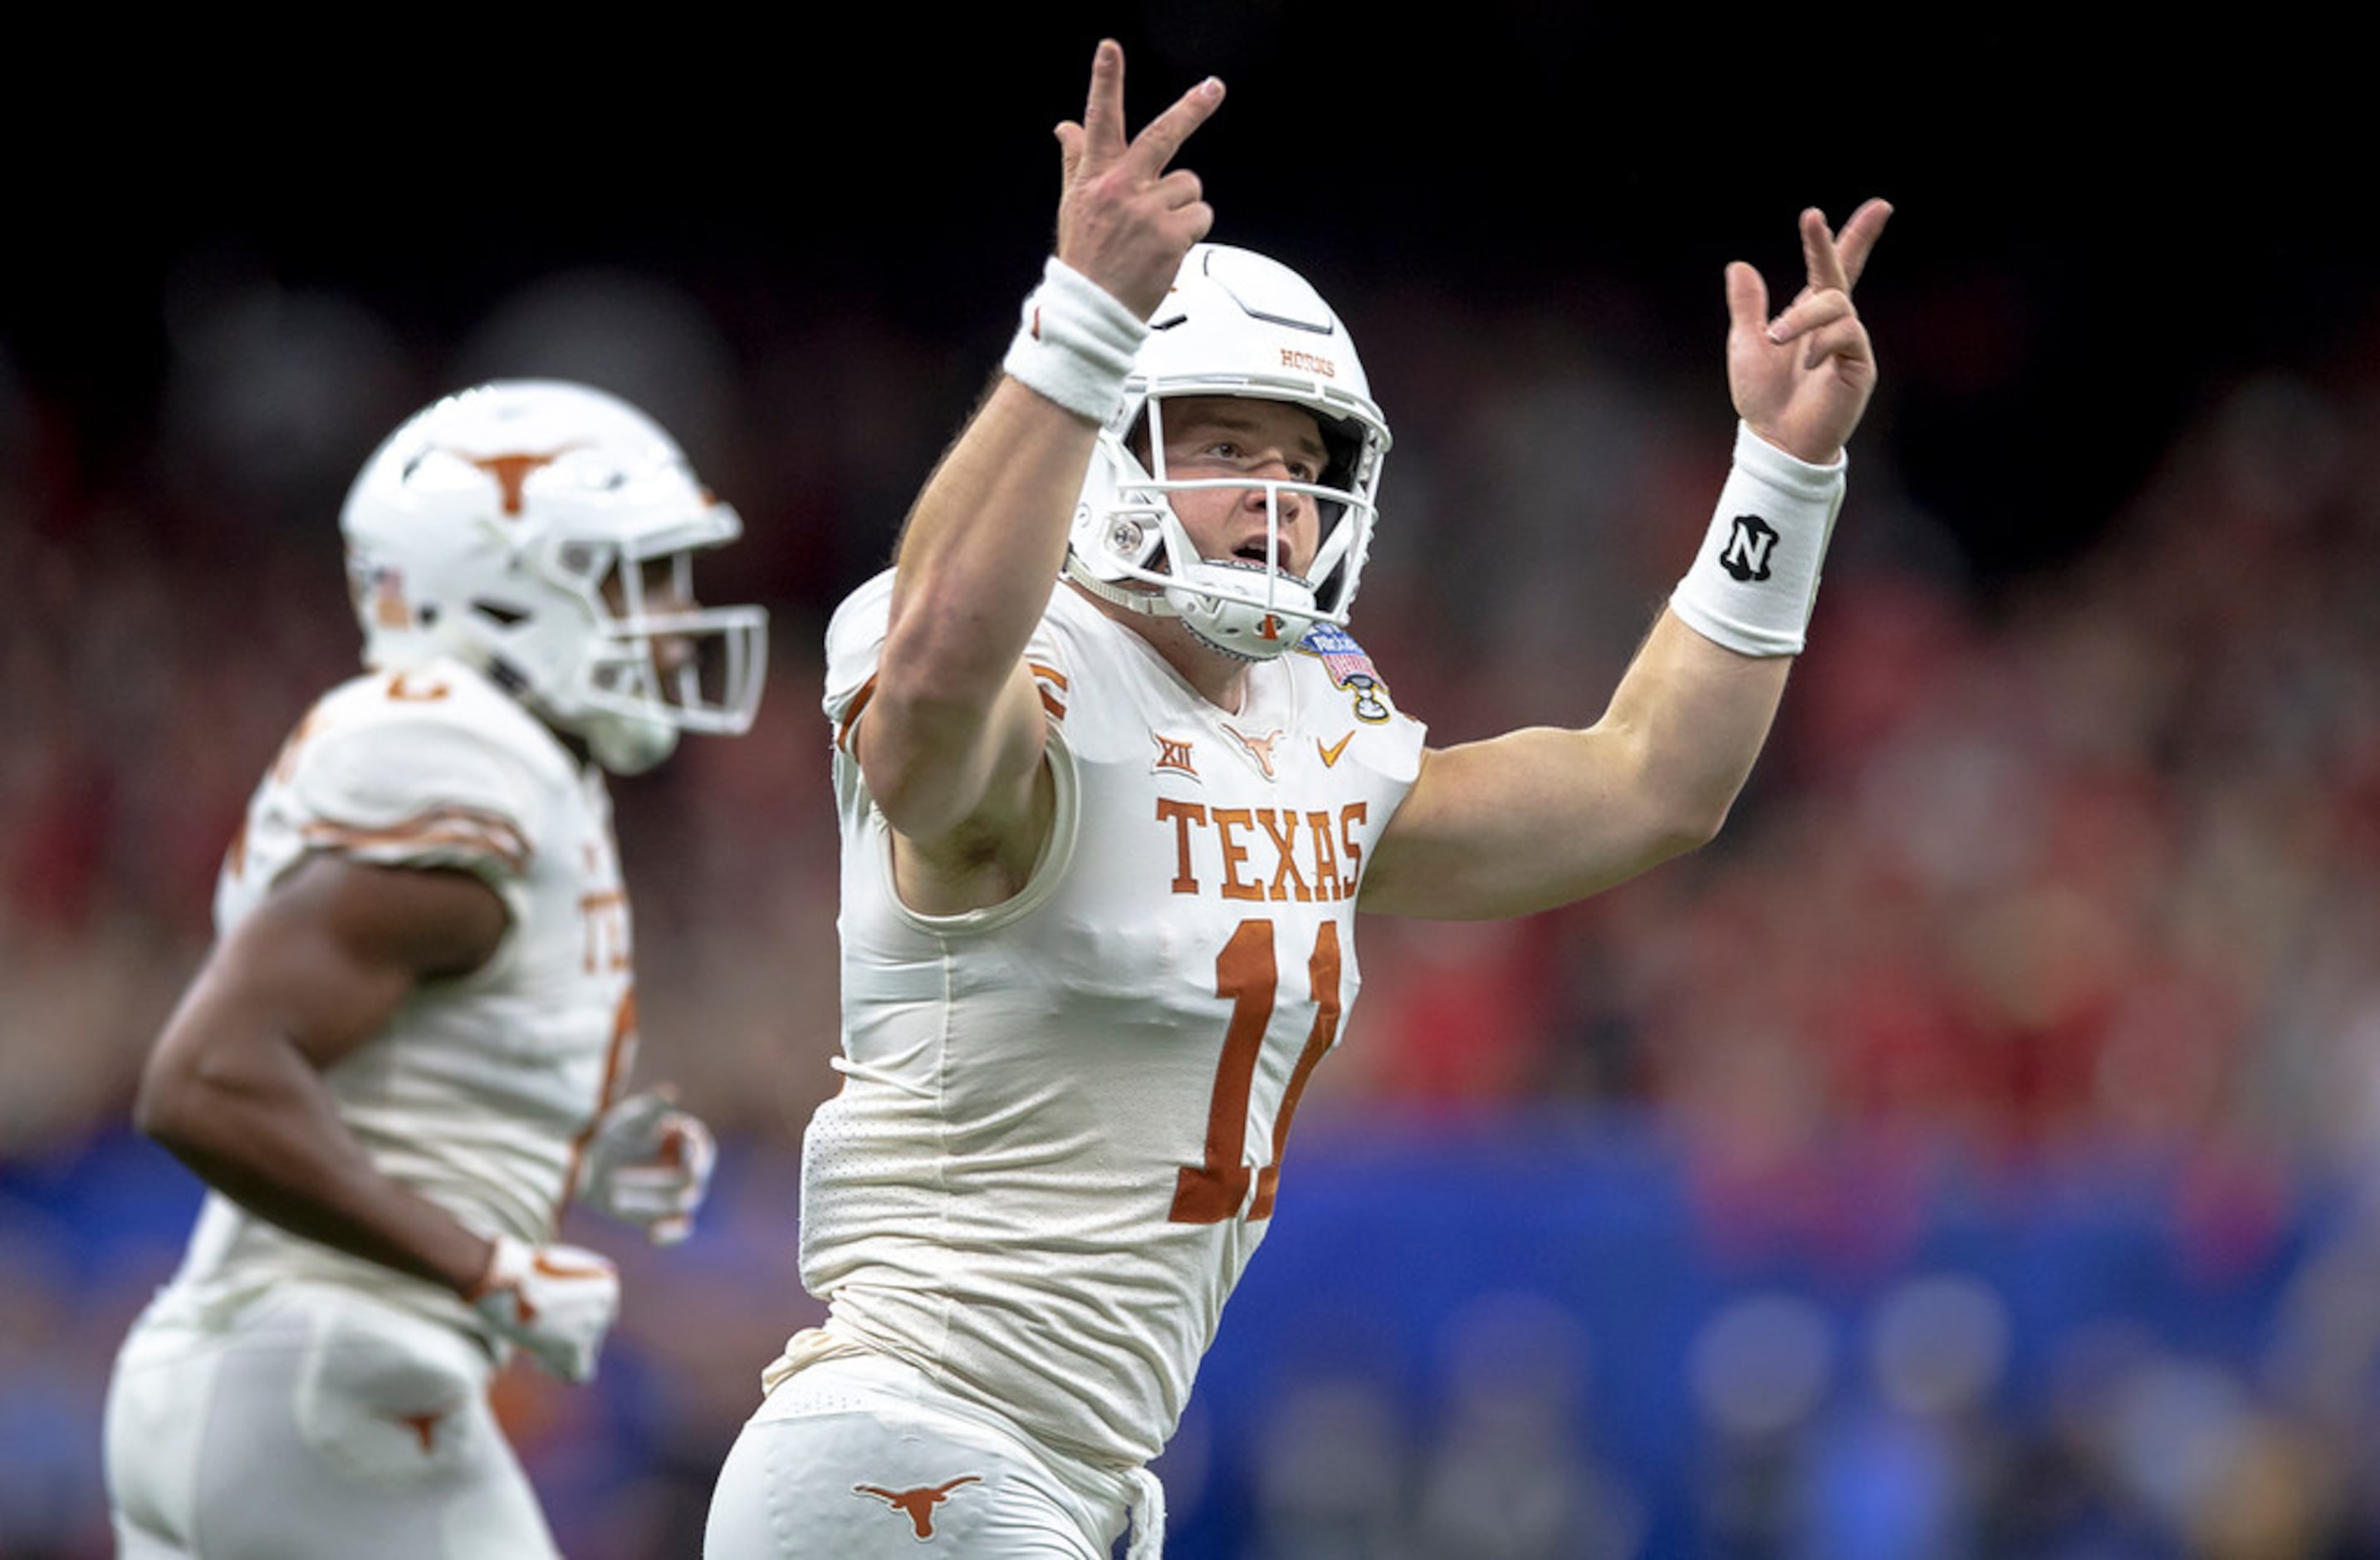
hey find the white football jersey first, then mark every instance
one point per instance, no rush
(1061, 1126)
(480, 1091)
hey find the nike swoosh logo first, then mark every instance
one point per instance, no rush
(1331, 753)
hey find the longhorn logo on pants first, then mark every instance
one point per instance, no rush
(918, 1504)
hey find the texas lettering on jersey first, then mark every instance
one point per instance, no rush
(1312, 853)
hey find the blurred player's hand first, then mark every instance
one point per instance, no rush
(648, 1163)
(1801, 380)
(1122, 220)
(555, 1301)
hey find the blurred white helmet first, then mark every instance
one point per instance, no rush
(523, 526)
(1235, 323)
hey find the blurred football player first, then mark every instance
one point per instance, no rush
(1103, 845)
(409, 1047)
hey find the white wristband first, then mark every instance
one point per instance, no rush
(1076, 343)
(1756, 577)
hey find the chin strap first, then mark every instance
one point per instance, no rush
(1148, 602)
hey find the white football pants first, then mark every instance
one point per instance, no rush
(861, 1457)
(314, 1421)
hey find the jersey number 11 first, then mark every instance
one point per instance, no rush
(1247, 976)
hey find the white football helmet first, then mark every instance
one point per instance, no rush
(1235, 323)
(522, 526)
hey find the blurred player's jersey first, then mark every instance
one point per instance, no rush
(479, 1091)
(1059, 1132)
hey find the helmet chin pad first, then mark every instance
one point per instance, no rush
(1223, 619)
(628, 744)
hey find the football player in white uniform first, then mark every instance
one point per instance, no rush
(1103, 844)
(410, 1045)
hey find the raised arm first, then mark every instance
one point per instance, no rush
(1541, 816)
(952, 744)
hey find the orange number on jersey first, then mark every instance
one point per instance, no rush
(1246, 974)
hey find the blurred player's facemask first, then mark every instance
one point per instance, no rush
(1235, 323)
(545, 533)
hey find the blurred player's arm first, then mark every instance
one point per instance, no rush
(234, 1088)
(951, 745)
(1541, 816)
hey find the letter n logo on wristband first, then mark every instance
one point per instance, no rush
(1748, 545)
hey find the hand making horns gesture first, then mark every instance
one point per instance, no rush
(1803, 379)
(1124, 221)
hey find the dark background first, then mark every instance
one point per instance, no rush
(2085, 243)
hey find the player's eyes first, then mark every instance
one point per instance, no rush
(1230, 452)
